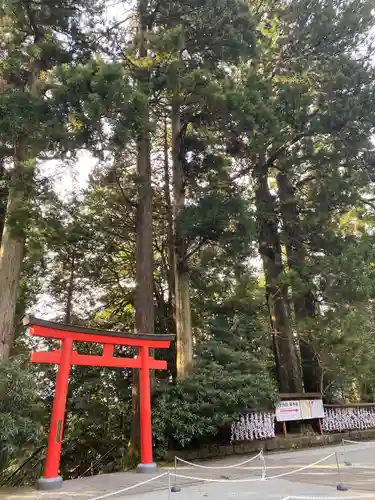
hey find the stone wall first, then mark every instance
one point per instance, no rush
(279, 443)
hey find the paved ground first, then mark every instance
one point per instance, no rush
(317, 481)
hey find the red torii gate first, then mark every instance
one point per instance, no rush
(67, 356)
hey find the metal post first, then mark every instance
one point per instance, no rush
(346, 462)
(169, 485)
(263, 465)
(175, 488)
(340, 486)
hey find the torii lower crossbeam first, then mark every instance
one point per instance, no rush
(66, 356)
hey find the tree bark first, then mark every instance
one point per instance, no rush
(144, 294)
(270, 250)
(14, 230)
(144, 299)
(184, 343)
(3, 196)
(171, 306)
(169, 217)
(303, 300)
(14, 234)
(11, 255)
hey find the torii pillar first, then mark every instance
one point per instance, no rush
(66, 356)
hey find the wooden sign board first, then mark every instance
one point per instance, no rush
(304, 409)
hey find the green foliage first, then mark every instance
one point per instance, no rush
(194, 411)
(21, 415)
(231, 375)
(32, 46)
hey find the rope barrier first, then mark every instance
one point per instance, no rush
(107, 495)
(351, 442)
(325, 498)
(219, 467)
(302, 468)
(252, 479)
(213, 480)
(348, 463)
(357, 442)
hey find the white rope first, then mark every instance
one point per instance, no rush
(107, 495)
(324, 498)
(221, 466)
(252, 479)
(357, 442)
(302, 468)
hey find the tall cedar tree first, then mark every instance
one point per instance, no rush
(32, 43)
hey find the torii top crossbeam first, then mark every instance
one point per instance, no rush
(66, 356)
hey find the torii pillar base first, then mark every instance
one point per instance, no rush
(147, 468)
(49, 483)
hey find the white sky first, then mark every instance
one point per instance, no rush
(68, 178)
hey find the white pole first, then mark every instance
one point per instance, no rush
(263, 465)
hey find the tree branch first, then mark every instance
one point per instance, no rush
(303, 181)
(274, 156)
(368, 202)
(127, 200)
(152, 16)
(38, 34)
(285, 146)
(6, 152)
(194, 250)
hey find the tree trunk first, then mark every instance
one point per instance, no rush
(144, 295)
(171, 306)
(303, 300)
(14, 232)
(144, 299)
(270, 250)
(182, 275)
(11, 255)
(3, 196)
(184, 354)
